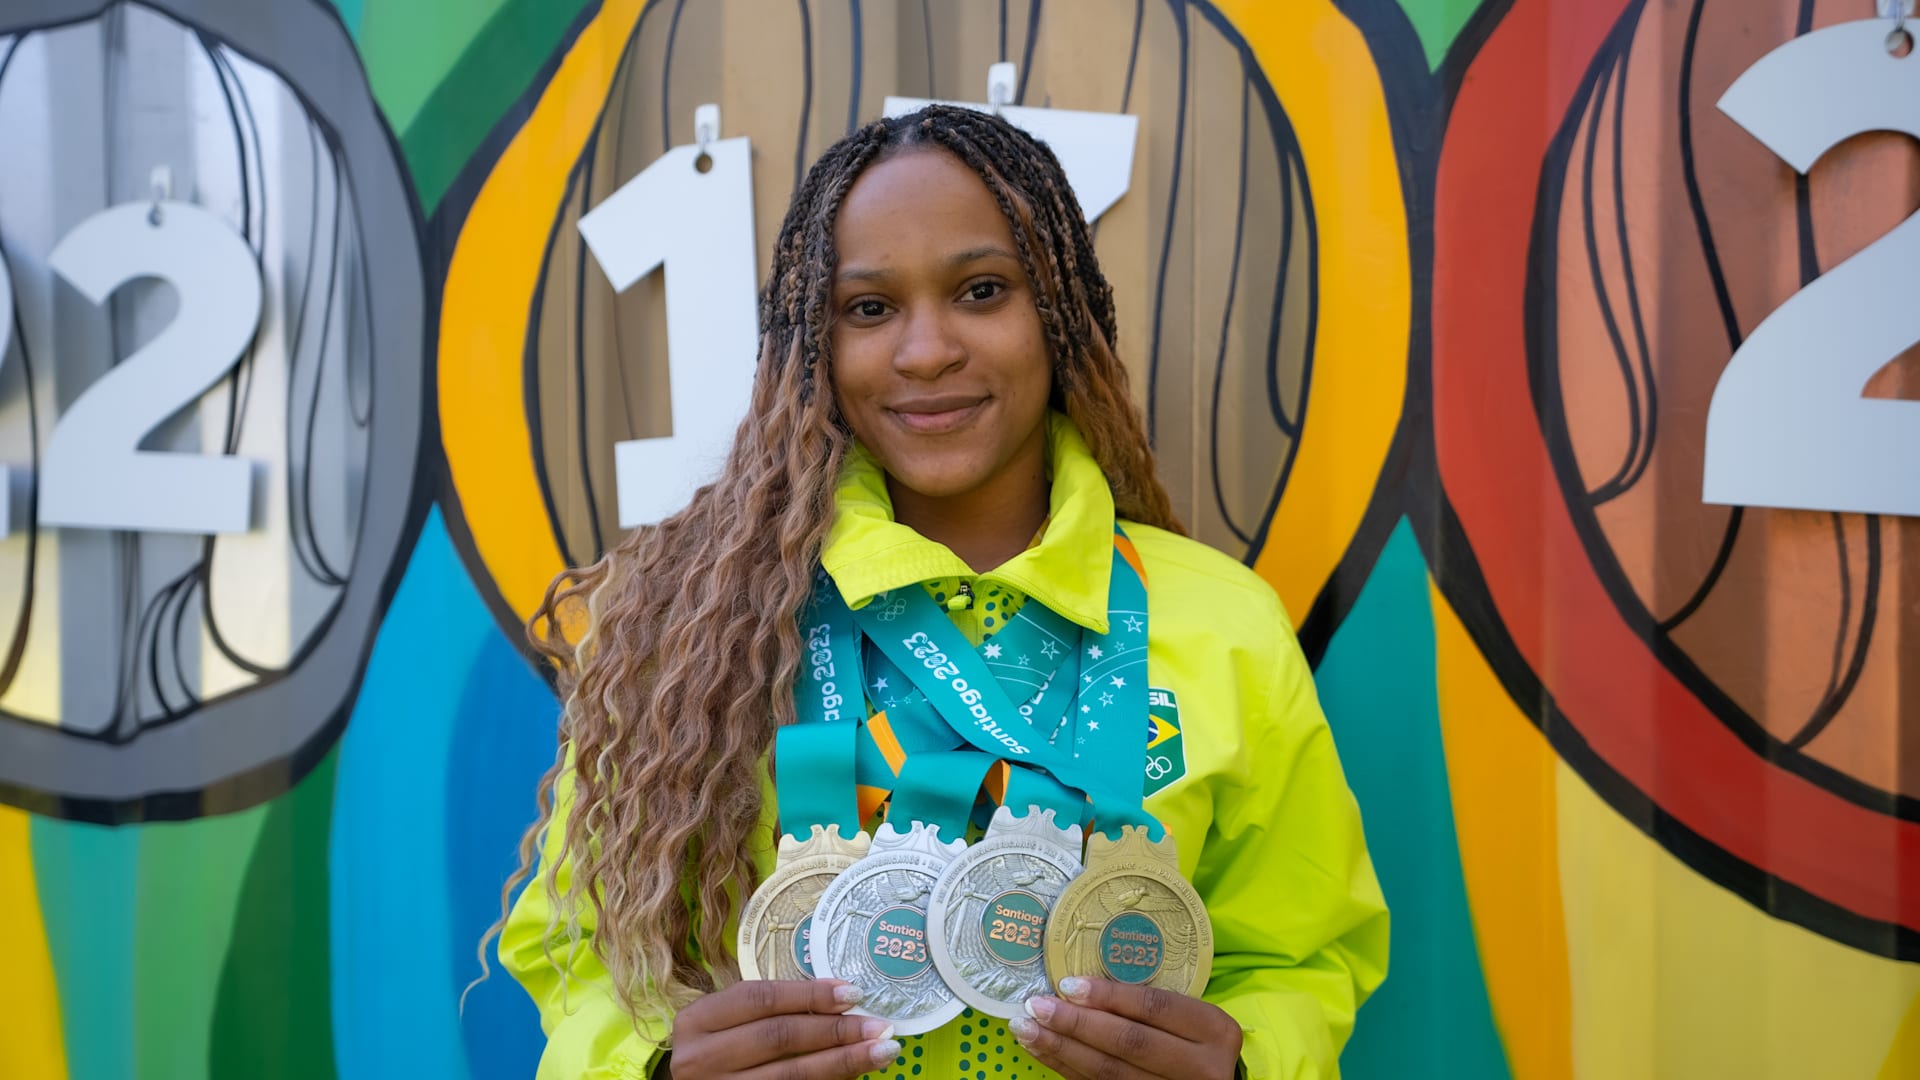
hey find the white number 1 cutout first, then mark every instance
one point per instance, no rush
(698, 227)
(1788, 426)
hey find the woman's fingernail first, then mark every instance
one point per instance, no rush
(876, 1029)
(1023, 1029)
(1041, 1008)
(1075, 987)
(885, 1052)
(848, 994)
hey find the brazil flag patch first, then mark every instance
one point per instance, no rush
(1166, 747)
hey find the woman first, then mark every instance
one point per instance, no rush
(936, 406)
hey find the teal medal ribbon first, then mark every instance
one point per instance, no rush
(1110, 708)
(911, 631)
(918, 725)
(1037, 657)
(941, 663)
(818, 758)
(938, 789)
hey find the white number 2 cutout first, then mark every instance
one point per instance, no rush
(1095, 149)
(95, 474)
(1788, 426)
(697, 227)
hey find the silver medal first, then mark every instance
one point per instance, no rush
(871, 929)
(987, 917)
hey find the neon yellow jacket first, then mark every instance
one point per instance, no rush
(1241, 770)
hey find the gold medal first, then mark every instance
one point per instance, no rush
(1131, 917)
(776, 929)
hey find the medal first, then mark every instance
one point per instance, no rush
(988, 915)
(816, 763)
(1131, 917)
(871, 929)
(776, 929)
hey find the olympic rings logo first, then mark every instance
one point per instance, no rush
(1158, 767)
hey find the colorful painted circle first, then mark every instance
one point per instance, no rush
(172, 674)
(546, 367)
(1738, 686)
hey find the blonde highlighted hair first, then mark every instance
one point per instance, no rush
(686, 662)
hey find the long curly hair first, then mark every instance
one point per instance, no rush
(689, 638)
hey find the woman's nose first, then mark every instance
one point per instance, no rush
(929, 347)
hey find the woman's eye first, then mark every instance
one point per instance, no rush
(984, 290)
(869, 309)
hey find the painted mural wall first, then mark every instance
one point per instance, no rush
(1425, 299)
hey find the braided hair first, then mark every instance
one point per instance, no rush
(689, 642)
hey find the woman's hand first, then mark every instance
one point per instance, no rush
(769, 1030)
(1113, 1031)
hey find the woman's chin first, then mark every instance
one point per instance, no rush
(936, 484)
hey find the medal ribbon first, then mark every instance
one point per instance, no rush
(818, 757)
(913, 633)
(911, 725)
(938, 789)
(1034, 632)
(1110, 737)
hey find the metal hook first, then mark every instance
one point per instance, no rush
(1001, 80)
(1898, 38)
(160, 187)
(706, 130)
(706, 125)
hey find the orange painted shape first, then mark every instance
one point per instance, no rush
(1501, 773)
(871, 799)
(29, 999)
(491, 281)
(1323, 73)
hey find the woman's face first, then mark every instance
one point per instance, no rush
(939, 363)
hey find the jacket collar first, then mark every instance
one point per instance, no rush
(868, 553)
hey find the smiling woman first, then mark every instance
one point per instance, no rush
(942, 479)
(940, 366)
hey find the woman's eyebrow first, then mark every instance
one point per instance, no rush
(988, 251)
(958, 258)
(861, 273)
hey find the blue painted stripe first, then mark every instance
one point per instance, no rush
(350, 15)
(505, 733)
(390, 907)
(1432, 1016)
(88, 881)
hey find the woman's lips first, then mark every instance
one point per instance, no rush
(938, 417)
